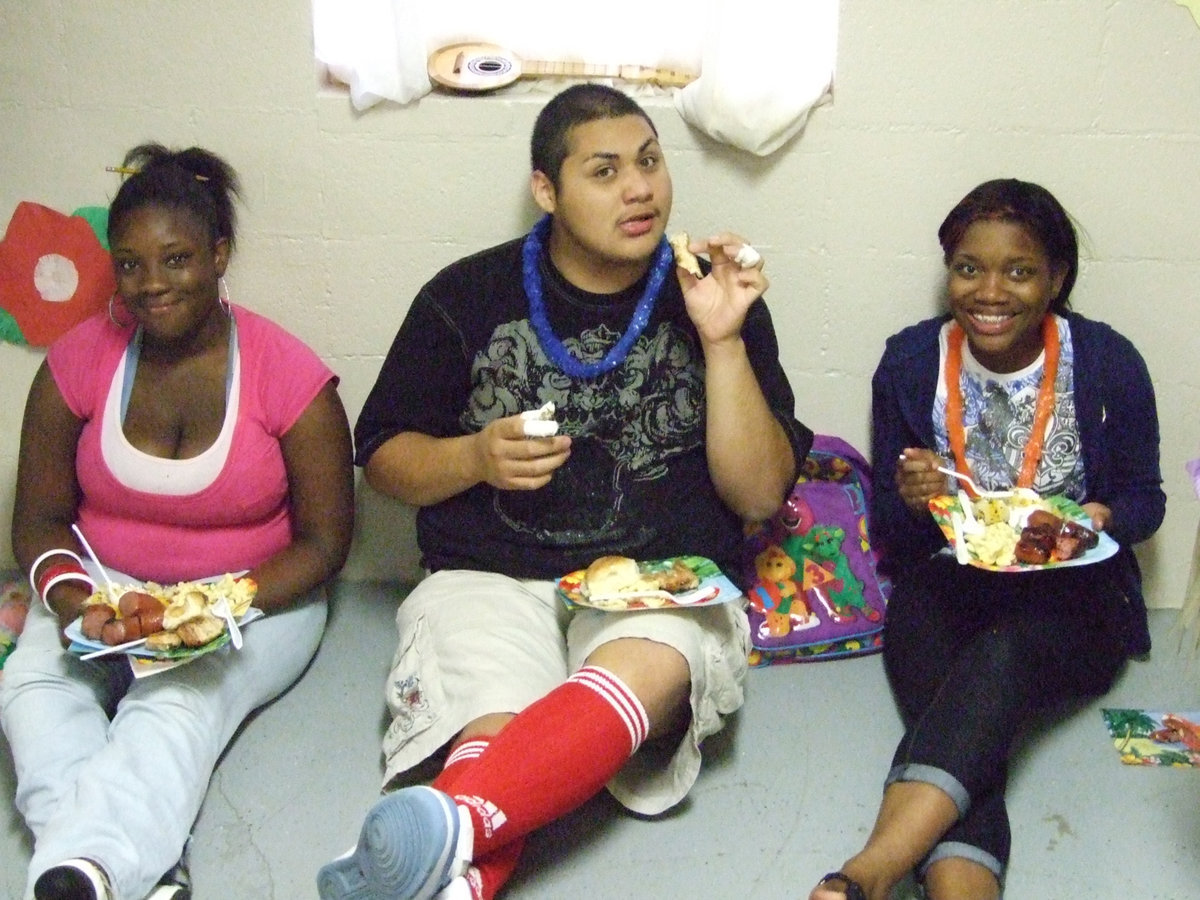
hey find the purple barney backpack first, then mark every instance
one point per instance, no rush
(815, 587)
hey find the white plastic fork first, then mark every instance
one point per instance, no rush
(221, 608)
(979, 492)
(116, 648)
(112, 588)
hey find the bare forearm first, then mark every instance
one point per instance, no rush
(317, 454)
(421, 470)
(749, 456)
(30, 540)
(297, 569)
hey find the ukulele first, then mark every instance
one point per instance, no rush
(486, 67)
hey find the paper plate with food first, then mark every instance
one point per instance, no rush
(155, 621)
(1022, 532)
(623, 584)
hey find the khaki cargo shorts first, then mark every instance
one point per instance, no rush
(473, 643)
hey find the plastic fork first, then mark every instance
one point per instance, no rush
(112, 588)
(970, 482)
(221, 608)
(116, 648)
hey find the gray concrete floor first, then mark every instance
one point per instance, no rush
(788, 790)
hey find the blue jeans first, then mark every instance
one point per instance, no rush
(973, 658)
(113, 768)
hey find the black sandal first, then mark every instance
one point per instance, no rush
(851, 888)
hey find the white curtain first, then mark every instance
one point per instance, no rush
(763, 64)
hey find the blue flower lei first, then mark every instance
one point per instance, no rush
(531, 253)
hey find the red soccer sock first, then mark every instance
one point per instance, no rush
(555, 755)
(459, 760)
(494, 869)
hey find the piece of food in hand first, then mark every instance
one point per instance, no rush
(685, 258)
(747, 256)
(616, 575)
(199, 631)
(540, 422)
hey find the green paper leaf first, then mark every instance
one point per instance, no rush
(97, 217)
(9, 330)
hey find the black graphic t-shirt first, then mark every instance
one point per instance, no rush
(637, 480)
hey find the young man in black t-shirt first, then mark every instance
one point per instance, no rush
(675, 425)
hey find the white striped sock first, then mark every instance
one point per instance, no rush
(464, 751)
(618, 695)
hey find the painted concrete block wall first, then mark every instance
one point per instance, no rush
(347, 214)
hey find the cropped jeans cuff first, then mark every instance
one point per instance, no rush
(939, 778)
(957, 849)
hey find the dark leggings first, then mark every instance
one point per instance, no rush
(973, 656)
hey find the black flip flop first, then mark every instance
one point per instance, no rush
(851, 888)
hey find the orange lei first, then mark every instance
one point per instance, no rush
(1041, 415)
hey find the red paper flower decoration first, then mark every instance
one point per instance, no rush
(53, 272)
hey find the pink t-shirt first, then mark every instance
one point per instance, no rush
(242, 516)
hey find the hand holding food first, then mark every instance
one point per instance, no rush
(503, 455)
(540, 422)
(745, 258)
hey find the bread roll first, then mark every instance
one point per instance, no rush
(615, 575)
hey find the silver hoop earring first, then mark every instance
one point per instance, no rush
(112, 315)
(223, 288)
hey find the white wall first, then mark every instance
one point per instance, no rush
(347, 214)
